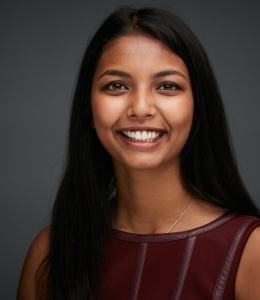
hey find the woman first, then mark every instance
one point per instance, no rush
(149, 154)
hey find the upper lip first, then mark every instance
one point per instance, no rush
(141, 128)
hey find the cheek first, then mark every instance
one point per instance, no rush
(185, 116)
(106, 114)
(101, 122)
(106, 110)
(102, 114)
(180, 114)
(100, 118)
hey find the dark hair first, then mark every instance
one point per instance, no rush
(82, 211)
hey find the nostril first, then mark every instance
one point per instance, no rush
(135, 115)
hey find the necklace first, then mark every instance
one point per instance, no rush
(180, 216)
(174, 224)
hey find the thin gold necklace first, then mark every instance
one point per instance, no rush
(174, 224)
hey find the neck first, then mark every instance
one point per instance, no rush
(147, 202)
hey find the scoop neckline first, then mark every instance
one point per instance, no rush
(166, 237)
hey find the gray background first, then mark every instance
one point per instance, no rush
(41, 46)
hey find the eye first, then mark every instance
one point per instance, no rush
(116, 86)
(168, 86)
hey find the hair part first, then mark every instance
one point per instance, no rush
(82, 215)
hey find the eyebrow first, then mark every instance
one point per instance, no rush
(168, 72)
(157, 75)
(115, 73)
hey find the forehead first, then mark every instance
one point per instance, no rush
(139, 50)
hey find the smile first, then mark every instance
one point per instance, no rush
(142, 136)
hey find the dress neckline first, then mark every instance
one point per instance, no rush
(166, 237)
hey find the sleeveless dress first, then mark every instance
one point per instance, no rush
(197, 264)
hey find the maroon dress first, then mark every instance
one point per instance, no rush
(197, 264)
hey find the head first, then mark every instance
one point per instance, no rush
(177, 37)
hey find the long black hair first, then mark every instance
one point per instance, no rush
(82, 211)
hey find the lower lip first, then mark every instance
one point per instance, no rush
(140, 145)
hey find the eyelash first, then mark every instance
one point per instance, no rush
(173, 86)
(111, 86)
(120, 86)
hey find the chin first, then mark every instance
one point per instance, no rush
(145, 164)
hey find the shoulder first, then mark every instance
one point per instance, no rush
(35, 256)
(248, 275)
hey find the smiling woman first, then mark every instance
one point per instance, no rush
(141, 90)
(151, 204)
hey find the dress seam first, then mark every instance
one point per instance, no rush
(226, 266)
(141, 255)
(161, 238)
(187, 254)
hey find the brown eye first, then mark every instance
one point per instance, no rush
(167, 86)
(116, 86)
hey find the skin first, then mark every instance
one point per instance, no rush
(141, 100)
(131, 89)
(34, 257)
(142, 97)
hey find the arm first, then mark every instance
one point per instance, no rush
(34, 257)
(248, 275)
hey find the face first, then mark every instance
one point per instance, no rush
(142, 103)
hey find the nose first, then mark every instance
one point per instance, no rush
(141, 105)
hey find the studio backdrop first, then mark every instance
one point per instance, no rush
(42, 43)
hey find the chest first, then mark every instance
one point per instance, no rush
(193, 266)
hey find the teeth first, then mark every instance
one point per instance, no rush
(138, 135)
(142, 136)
